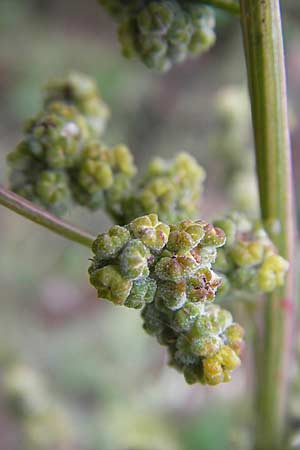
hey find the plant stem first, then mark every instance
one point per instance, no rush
(262, 32)
(30, 211)
(230, 6)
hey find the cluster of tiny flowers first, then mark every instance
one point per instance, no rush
(43, 422)
(249, 263)
(60, 160)
(163, 32)
(171, 189)
(167, 271)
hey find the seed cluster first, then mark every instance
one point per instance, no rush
(60, 160)
(162, 33)
(171, 189)
(167, 271)
(249, 262)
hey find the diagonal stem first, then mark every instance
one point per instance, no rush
(230, 6)
(35, 214)
(263, 45)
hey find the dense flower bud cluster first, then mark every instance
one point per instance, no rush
(43, 422)
(81, 92)
(102, 175)
(171, 189)
(51, 146)
(162, 32)
(167, 271)
(60, 160)
(249, 262)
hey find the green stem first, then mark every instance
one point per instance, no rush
(230, 6)
(30, 211)
(262, 32)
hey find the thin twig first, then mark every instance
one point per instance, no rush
(32, 212)
(230, 6)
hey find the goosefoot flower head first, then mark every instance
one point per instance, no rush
(61, 162)
(171, 189)
(249, 262)
(162, 33)
(80, 91)
(167, 271)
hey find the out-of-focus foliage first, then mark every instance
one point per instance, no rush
(43, 422)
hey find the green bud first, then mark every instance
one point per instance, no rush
(272, 273)
(186, 316)
(185, 236)
(52, 189)
(81, 92)
(172, 294)
(108, 245)
(247, 253)
(150, 231)
(175, 268)
(111, 285)
(249, 259)
(143, 291)
(156, 18)
(134, 260)
(153, 323)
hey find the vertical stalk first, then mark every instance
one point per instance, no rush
(263, 45)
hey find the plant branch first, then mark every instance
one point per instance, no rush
(263, 45)
(27, 209)
(230, 6)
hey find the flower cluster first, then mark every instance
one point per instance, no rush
(61, 160)
(171, 189)
(167, 271)
(43, 422)
(249, 262)
(82, 93)
(163, 32)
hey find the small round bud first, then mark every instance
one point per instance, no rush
(109, 245)
(81, 92)
(134, 260)
(249, 259)
(110, 284)
(150, 231)
(52, 189)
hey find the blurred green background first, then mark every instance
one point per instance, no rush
(101, 371)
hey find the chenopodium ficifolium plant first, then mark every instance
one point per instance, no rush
(162, 33)
(44, 423)
(61, 160)
(249, 262)
(167, 271)
(171, 189)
